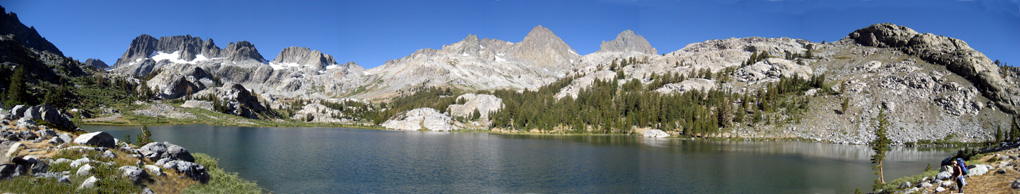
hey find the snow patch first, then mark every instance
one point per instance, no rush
(279, 66)
(500, 59)
(572, 51)
(175, 57)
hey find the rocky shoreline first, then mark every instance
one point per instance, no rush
(35, 149)
(991, 170)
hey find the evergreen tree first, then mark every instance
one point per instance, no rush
(16, 90)
(879, 146)
(476, 114)
(998, 134)
(845, 105)
(145, 137)
(1015, 132)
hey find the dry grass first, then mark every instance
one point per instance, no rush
(992, 182)
(170, 182)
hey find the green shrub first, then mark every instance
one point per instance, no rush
(221, 181)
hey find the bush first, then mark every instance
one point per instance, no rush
(221, 181)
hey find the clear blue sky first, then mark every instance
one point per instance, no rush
(371, 32)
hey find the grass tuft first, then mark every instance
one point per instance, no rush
(221, 181)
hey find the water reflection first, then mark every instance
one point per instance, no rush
(322, 160)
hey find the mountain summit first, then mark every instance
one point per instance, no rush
(544, 49)
(628, 41)
(303, 57)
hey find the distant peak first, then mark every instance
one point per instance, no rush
(539, 31)
(628, 41)
(471, 37)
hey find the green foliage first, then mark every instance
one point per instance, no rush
(1014, 133)
(145, 137)
(611, 107)
(998, 134)
(476, 114)
(913, 179)
(845, 105)
(16, 90)
(880, 145)
(221, 181)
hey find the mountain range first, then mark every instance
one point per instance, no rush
(933, 86)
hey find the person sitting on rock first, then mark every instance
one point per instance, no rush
(958, 175)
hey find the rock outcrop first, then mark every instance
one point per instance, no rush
(181, 80)
(98, 64)
(703, 85)
(238, 100)
(483, 103)
(770, 70)
(45, 113)
(156, 151)
(953, 53)
(628, 41)
(421, 119)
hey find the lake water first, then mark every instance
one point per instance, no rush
(337, 160)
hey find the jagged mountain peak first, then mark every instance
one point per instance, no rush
(303, 57)
(242, 50)
(543, 48)
(98, 64)
(26, 35)
(539, 32)
(628, 41)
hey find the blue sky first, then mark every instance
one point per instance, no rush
(371, 32)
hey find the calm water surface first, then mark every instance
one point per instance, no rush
(337, 160)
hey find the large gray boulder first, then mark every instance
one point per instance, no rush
(163, 150)
(85, 170)
(943, 175)
(19, 110)
(977, 170)
(46, 113)
(8, 170)
(190, 169)
(134, 173)
(99, 139)
(89, 183)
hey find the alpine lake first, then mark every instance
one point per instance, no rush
(340, 160)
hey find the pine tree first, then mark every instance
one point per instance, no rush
(16, 90)
(476, 114)
(145, 137)
(998, 134)
(1015, 132)
(879, 146)
(845, 105)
